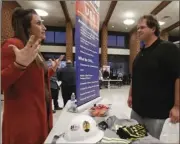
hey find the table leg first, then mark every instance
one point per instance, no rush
(109, 86)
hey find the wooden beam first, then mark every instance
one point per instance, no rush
(17, 3)
(13, 2)
(110, 12)
(156, 10)
(65, 11)
(160, 7)
(173, 26)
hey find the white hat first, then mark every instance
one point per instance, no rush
(82, 129)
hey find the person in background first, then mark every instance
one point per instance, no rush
(154, 92)
(67, 76)
(120, 75)
(55, 92)
(106, 74)
(27, 115)
(100, 78)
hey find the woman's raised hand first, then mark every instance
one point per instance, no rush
(27, 55)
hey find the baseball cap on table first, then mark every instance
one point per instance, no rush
(82, 129)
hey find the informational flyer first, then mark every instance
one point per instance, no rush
(87, 51)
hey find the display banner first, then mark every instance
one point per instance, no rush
(87, 51)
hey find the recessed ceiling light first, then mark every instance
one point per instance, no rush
(112, 26)
(161, 23)
(167, 17)
(129, 15)
(128, 21)
(41, 12)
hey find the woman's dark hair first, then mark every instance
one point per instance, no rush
(152, 22)
(21, 22)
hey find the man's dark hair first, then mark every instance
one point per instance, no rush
(152, 22)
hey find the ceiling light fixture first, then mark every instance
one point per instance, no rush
(129, 15)
(161, 23)
(128, 21)
(41, 12)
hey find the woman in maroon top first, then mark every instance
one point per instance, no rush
(27, 117)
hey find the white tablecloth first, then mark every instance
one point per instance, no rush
(65, 119)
